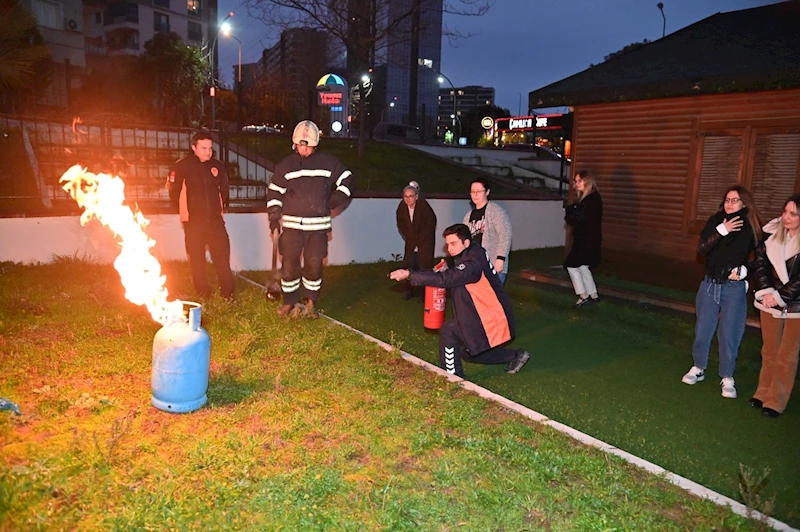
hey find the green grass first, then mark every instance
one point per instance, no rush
(613, 372)
(308, 427)
(371, 174)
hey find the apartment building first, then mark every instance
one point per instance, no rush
(455, 102)
(93, 33)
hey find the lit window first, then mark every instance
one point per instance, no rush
(425, 62)
(193, 7)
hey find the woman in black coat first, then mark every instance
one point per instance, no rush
(416, 222)
(585, 217)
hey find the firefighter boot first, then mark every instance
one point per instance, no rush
(284, 310)
(310, 312)
(297, 311)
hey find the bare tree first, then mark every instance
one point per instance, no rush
(363, 27)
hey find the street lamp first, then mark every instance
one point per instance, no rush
(441, 79)
(660, 7)
(226, 31)
(213, 70)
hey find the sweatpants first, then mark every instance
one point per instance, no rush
(305, 280)
(198, 236)
(582, 280)
(451, 354)
(779, 355)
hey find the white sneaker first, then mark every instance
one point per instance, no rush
(694, 375)
(728, 387)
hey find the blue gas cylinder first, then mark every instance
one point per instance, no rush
(181, 355)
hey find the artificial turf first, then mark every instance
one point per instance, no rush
(612, 370)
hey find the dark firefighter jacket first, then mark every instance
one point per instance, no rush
(480, 304)
(199, 189)
(303, 191)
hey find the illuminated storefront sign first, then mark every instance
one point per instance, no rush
(520, 123)
(330, 98)
(529, 123)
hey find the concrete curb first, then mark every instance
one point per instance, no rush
(683, 483)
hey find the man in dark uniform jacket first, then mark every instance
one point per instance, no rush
(483, 320)
(199, 186)
(305, 187)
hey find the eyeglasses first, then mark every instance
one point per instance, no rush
(792, 214)
(732, 201)
(409, 195)
(477, 191)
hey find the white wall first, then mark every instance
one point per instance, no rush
(365, 232)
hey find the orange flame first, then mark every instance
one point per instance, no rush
(102, 197)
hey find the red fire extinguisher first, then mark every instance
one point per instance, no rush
(435, 302)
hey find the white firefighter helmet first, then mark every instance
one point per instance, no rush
(306, 132)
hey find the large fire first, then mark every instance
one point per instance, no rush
(102, 197)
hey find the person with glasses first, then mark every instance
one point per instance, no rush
(585, 217)
(490, 226)
(726, 242)
(416, 222)
(777, 284)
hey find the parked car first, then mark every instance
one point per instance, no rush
(263, 128)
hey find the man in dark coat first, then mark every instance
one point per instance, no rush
(483, 319)
(199, 186)
(416, 222)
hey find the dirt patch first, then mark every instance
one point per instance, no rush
(407, 464)
(538, 518)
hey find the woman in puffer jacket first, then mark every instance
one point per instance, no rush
(777, 284)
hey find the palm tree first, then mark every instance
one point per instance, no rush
(22, 50)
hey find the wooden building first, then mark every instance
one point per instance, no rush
(666, 128)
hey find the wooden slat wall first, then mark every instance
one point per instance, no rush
(642, 156)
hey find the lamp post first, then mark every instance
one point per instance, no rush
(213, 71)
(226, 30)
(441, 79)
(660, 7)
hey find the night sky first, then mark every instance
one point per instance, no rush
(521, 45)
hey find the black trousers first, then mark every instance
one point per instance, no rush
(198, 236)
(312, 246)
(451, 355)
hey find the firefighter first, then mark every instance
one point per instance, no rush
(305, 187)
(483, 320)
(198, 184)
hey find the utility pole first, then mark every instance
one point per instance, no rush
(660, 7)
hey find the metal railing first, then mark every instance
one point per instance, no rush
(142, 156)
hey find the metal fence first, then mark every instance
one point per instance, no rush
(142, 156)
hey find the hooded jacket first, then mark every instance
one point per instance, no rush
(481, 306)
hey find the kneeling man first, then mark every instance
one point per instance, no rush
(483, 320)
